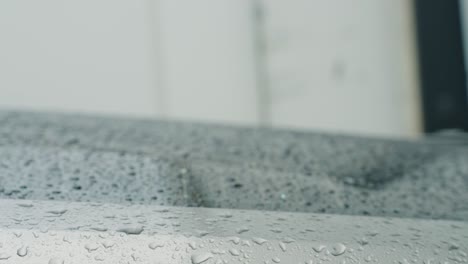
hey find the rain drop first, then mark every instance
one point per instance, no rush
(201, 257)
(56, 261)
(363, 241)
(453, 246)
(108, 244)
(234, 252)
(338, 249)
(57, 212)
(155, 245)
(26, 205)
(192, 245)
(234, 240)
(4, 256)
(288, 240)
(282, 246)
(131, 230)
(319, 248)
(242, 230)
(100, 229)
(91, 247)
(258, 240)
(22, 251)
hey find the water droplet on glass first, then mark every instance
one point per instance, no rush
(56, 261)
(453, 246)
(201, 257)
(282, 246)
(242, 230)
(319, 248)
(363, 241)
(131, 230)
(99, 228)
(108, 244)
(202, 233)
(338, 249)
(258, 240)
(225, 215)
(4, 256)
(403, 261)
(26, 205)
(234, 252)
(57, 212)
(192, 245)
(91, 247)
(22, 251)
(234, 240)
(276, 230)
(135, 257)
(155, 245)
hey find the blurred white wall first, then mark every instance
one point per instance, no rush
(208, 60)
(343, 65)
(331, 65)
(93, 56)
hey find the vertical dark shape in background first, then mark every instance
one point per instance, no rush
(442, 66)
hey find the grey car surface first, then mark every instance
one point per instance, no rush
(82, 189)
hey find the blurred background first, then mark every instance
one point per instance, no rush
(391, 68)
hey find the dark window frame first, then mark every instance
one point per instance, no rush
(442, 64)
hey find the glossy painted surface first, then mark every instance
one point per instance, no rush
(60, 232)
(111, 160)
(79, 189)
